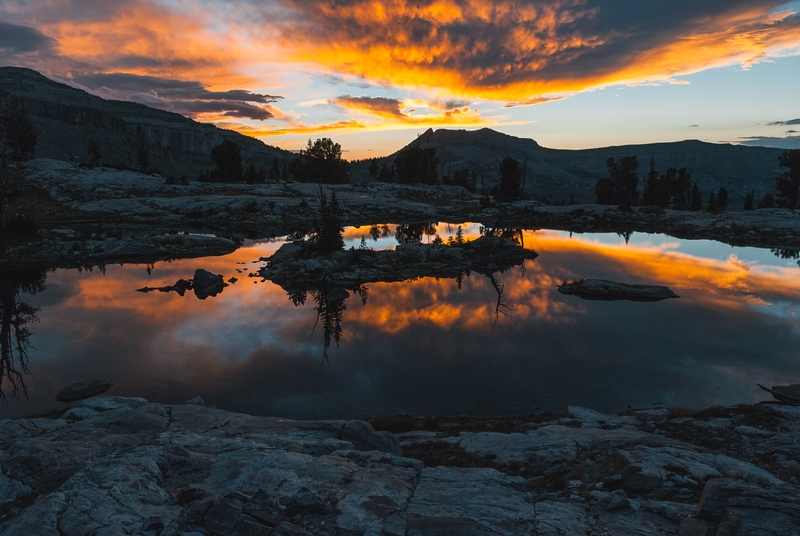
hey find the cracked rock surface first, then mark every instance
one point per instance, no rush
(114, 465)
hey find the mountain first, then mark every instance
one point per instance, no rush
(66, 119)
(559, 174)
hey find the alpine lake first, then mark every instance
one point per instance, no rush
(475, 345)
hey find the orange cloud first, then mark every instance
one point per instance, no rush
(525, 51)
(301, 128)
(405, 112)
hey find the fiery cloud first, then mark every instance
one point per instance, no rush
(517, 51)
(299, 128)
(406, 112)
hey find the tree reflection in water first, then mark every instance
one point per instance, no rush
(330, 306)
(15, 316)
(788, 254)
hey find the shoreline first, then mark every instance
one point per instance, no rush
(107, 217)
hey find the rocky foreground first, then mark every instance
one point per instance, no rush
(117, 465)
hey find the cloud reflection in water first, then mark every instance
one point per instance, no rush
(426, 346)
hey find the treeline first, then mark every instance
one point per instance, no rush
(17, 145)
(675, 190)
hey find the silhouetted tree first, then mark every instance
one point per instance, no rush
(654, 192)
(331, 312)
(228, 158)
(768, 201)
(320, 162)
(387, 173)
(17, 133)
(417, 165)
(624, 175)
(604, 192)
(328, 233)
(712, 202)
(696, 203)
(15, 316)
(749, 201)
(463, 178)
(787, 185)
(412, 233)
(379, 231)
(722, 200)
(510, 180)
(275, 170)
(93, 148)
(681, 197)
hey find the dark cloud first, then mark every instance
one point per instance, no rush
(184, 97)
(789, 142)
(19, 40)
(527, 48)
(785, 123)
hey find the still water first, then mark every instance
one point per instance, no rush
(428, 346)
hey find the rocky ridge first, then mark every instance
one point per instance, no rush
(66, 118)
(114, 465)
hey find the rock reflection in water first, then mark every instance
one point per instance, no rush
(15, 317)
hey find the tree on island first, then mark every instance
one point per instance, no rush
(787, 185)
(320, 162)
(328, 232)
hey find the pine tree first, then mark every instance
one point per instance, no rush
(749, 201)
(696, 203)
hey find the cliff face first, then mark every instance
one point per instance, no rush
(66, 118)
(559, 173)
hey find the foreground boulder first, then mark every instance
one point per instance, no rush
(600, 289)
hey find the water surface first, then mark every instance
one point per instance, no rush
(428, 346)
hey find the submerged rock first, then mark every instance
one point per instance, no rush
(602, 290)
(79, 390)
(206, 284)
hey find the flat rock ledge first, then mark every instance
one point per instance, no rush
(114, 465)
(295, 266)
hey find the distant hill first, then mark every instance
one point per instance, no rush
(66, 118)
(559, 174)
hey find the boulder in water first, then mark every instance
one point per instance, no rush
(600, 289)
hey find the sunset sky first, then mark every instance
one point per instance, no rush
(371, 75)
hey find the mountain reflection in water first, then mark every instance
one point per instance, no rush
(427, 346)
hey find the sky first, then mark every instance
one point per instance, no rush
(372, 75)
